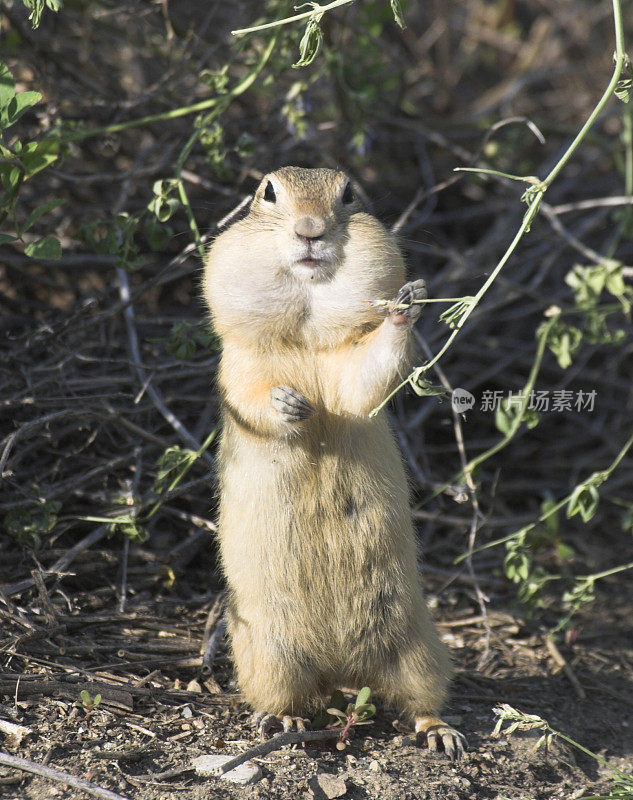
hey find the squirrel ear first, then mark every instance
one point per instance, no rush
(348, 194)
(269, 193)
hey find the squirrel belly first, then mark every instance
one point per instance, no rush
(324, 571)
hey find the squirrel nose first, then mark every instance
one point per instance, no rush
(310, 227)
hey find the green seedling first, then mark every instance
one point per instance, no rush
(89, 704)
(347, 715)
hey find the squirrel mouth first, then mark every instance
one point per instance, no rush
(312, 263)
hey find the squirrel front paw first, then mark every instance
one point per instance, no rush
(409, 294)
(292, 406)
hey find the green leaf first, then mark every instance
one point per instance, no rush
(5, 237)
(397, 13)
(623, 90)
(588, 283)
(163, 206)
(363, 697)
(551, 521)
(49, 248)
(338, 700)
(310, 43)
(563, 340)
(85, 697)
(335, 714)
(216, 80)
(96, 700)
(581, 593)
(10, 175)
(40, 211)
(565, 552)
(156, 234)
(453, 316)
(37, 6)
(36, 156)
(518, 562)
(424, 388)
(27, 524)
(509, 411)
(365, 712)
(134, 532)
(18, 105)
(172, 462)
(7, 86)
(583, 501)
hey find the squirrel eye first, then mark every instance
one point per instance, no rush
(269, 193)
(348, 194)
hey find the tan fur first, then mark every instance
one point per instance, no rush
(316, 538)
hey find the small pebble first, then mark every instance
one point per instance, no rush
(246, 773)
(326, 785)
(374, 766)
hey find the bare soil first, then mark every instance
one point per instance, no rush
(150, 721)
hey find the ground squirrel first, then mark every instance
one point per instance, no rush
(315, 530)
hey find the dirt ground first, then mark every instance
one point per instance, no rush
(142, 661)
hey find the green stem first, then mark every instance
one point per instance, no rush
(627, 138)
(534, 202)
(620, 55)
(140, 518)
(531, 179)
(183, 111)
(516, 423)
(546, 514)
(204, 446)
(607, 572)
(525, 225)
(317, 9)
(623, 775)
(193, 225)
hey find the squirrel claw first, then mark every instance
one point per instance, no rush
(410, 293)
(265, 723)
(290, 404)
(440, 736)
(299, 723)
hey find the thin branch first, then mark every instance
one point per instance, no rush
(476, 519)
(276, 743)
(185, 436)
(59, 777)
(61, 564)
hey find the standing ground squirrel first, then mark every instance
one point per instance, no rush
(316, 538)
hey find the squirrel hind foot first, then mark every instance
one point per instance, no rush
(440, 736)
(265, 723)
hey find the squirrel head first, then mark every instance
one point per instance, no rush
(307, 212)
(303, 265)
